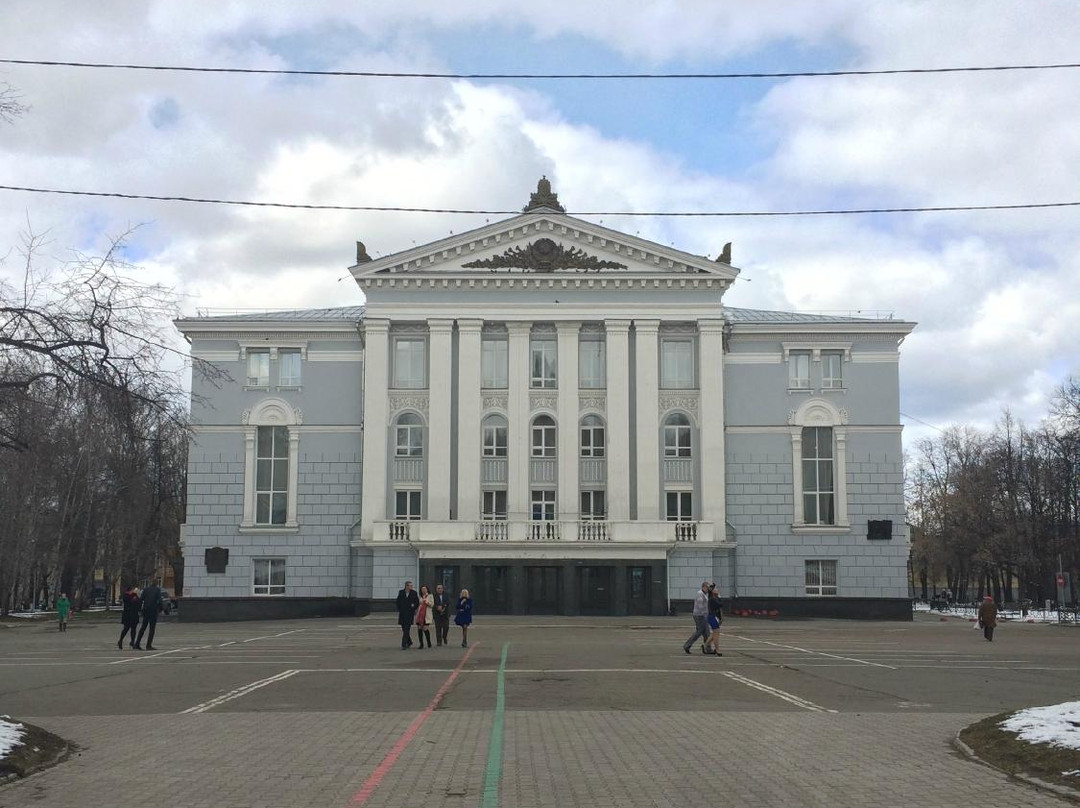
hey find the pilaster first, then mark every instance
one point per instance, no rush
(376, 378)
(440, 363)
(517, 472)
(712, 507)
(617, 346)
(468, 428)
(567, 449)
(647, 462)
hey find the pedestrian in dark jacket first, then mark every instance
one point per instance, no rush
(464, 616)
(407, 604)
(129, 619)
(988, 617)
(151, 605)
(442, 616)
(716, 617)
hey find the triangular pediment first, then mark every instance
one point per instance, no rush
(541, 242)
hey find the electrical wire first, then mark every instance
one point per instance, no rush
(375, 74)
(480, 211)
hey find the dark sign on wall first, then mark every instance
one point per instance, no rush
(879, 530)
(217, 558)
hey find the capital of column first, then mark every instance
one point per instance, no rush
(616, 326)
(518, 328)
(440, 326)
(470, 326)
(711, 326)
(647, 326)
(567, 326)
(376, 325)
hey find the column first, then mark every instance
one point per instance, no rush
(711, 425)
(647, 462)
(566, 451)
(617, 346)
(440, 361)
(468, 426)
(376, 378)
(517, 472)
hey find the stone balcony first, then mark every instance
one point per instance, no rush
(560, 533)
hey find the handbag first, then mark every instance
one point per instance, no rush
(421, 615)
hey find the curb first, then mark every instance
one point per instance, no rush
(1061, 791)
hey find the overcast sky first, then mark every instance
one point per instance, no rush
(994, 293)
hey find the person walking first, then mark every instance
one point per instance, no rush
(701, 617)
(407, 604)
(425, 616)
(716, 617)
(63, 611)
(988, 617)
(151, 605)
(442, 615)
(129, 619)
(464, 616)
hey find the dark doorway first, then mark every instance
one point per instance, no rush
(638, 590)
(489, 590)
(449, 578)
(542, 590)
(595, 590)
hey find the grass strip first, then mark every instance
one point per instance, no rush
(1007, 752)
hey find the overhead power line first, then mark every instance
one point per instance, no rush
(480, 211)
(385, 74)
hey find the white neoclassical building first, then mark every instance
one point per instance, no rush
(560, 417)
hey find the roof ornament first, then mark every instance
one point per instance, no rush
(544, 255)
(543, 198)
(725, 255)
(361, 253)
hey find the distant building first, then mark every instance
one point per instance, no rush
(558, 416)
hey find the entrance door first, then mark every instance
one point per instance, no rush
(490, 590)
(595, 590)
(542, 590)
(449, 578)
(638, 600)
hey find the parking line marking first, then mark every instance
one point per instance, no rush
(238, 692)
(780, 694)
(151, 656)
(821, 653)
(387, 763)
(270, 636)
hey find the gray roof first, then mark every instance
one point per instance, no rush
(346, 313)
(765, 316)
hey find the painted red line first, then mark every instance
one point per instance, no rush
(361, 796)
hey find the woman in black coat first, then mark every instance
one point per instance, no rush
(130, 616)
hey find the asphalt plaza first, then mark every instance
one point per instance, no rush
(538, 711)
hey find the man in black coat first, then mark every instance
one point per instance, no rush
(151, 605)
(407, 604)
(442, 615)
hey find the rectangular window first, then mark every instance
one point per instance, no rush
(271, 475)
(258, 369)
(268, 576)
(593, 505)
(677, 364)
(543, 440)
(543, 506)
(410, 440)
(592, 440)
(544, 353)
(494, 440)
(592, 364)
(819, 495)
(799, 370)
(288, 367)
(821, 577)
(493, 505)
(410, 363)
(407, 505)
(832, 370)
(680, 506)
(494, 362)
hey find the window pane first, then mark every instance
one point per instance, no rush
(828, 573)
(591, 358)
(279, 507)
(809, 475)
(259, 368)
(825, 478)
(810, 514)
(261, 576)
(676, 364)
(262, 509)
(264, 438)
(409, 363)
(813, 574)
(827, 516)
(598, 508)
(262, 475)
(494, 363)
(281, 441)
(277, 572)
(281, 475)
(289, 368)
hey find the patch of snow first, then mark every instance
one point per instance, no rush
(1073, 773)
(11, 735)
(1057, 725)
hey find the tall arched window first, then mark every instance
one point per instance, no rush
(494, 436)
(593, 443)
(543, 436)
(409, 435)
(819, 466)
(676, 435)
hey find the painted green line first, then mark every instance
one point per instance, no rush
(493, 770)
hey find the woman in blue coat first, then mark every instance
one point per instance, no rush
(464, 616)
